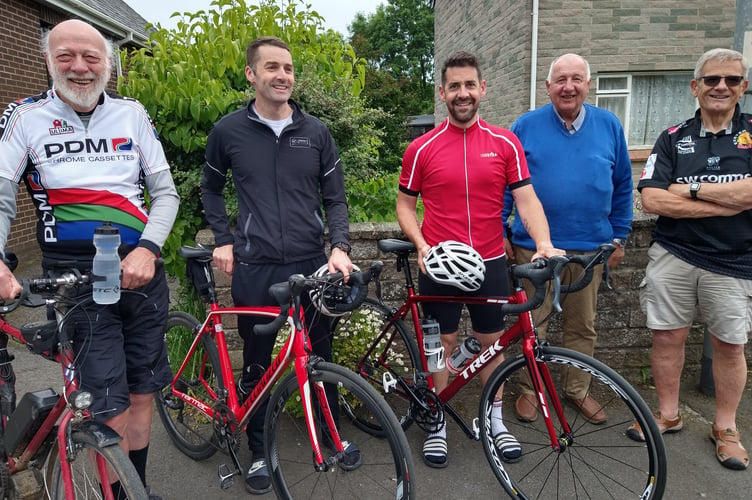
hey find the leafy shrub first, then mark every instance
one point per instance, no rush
(191, 76)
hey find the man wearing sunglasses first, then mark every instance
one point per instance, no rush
(697, 180)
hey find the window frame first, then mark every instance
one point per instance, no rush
(620, 92)
(628, 93)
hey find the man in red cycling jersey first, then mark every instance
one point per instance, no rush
(461, 169)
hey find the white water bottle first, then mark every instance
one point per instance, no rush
(463, 354)
(432, 345)
(106, 266)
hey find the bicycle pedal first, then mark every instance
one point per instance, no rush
(226, 476)
(389, 382)
(476, 429)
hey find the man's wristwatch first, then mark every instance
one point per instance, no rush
(693, 189)
(342, 245)
(619, 242)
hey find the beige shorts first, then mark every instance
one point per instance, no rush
(673, 291)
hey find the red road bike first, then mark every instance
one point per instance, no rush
(51, 447)
(564, 456)
(202, 412)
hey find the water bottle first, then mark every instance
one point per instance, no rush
(432, 345)
(463, 354)
(106, 267)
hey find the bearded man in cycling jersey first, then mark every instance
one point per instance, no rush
(461, 169)
(88, 157)
(285, 166)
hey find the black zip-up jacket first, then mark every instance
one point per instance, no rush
(281, 183)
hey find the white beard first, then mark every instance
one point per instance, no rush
(83, 98)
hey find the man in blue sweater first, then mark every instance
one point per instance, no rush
(582, 174)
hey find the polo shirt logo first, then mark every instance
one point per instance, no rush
(714, 163)
(685, 146)
(743, 140)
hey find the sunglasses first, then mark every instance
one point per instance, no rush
(713, 80)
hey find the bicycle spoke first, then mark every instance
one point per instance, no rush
(597, 461)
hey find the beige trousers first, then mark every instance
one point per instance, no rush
(578, 315)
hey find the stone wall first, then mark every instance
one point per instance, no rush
(623, 340)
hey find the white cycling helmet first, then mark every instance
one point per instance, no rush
(333, 299)
(454, 263)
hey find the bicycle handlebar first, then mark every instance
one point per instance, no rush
(297, 284)
(65, 277)
(541, 271)
(30, 288)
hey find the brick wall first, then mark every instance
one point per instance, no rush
(613, 35)
(623, 340)
(22, 73)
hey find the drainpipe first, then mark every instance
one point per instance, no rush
(534, 55)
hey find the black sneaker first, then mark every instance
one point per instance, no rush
(352, 458)
(257, 480)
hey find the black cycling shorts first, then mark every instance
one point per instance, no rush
(120, 348)
(484, 318)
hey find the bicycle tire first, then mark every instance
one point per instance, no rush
(397, 353)
(191, 431)
(600, 461)
(387, 469)
(84, 476)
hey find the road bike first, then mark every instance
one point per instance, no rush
(51, 447)
(202, 412)
(564, 456)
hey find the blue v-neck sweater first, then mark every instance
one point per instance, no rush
(583, 180)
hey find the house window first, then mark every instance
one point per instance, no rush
(646, 104)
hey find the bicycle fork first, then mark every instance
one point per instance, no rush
(320, 464)
(542, 381)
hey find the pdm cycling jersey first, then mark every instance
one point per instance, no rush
(80, 175)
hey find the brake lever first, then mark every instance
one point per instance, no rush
(559, 263)
(606, 275)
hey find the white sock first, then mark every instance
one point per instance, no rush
(497, 423)
(440, 433)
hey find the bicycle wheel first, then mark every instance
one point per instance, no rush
(386, 470)
(393, 353)
(598, 461)
(192, 432)
(86, 484)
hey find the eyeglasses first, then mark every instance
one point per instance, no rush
(713, 80)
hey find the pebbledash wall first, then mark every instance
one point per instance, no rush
(623, 340)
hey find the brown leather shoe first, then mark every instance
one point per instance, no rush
(590, 409)
(526, 407)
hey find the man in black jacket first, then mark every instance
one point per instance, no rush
(285, 165)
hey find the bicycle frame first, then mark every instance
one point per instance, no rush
(60, 411)
(295, 351)
(523, 329)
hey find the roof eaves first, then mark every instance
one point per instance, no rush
(100, 19)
